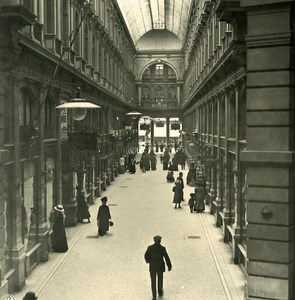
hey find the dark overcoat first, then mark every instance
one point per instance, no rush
(103, 218)
(155, 255)
(58, 238)
(178, 192)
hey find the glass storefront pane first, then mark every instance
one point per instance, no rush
(29, 217)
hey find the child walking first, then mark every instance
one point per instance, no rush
(191, 202)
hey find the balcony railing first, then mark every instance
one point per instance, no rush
(166, 104)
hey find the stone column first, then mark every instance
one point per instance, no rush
(227, 169)
(238, 227)
(39, 180)
(269, 157)
(139, 95)
(167, 131)
(18, 254)
(152, 133)
(217, 202)
(178, 95)
(213, 179)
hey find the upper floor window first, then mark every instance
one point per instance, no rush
(65, 22)
(147, 74)
(159, 72)
(171, 74)
(49, 16)
(25, 110)
(49, 111)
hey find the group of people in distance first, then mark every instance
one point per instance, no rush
(148, 160)
(172, 164)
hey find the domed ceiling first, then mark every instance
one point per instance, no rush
(142, 16)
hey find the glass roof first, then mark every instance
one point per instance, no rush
(142, 16)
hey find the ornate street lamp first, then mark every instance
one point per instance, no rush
(134, 123)
(134, 114)
(81, 140)
(78, 106)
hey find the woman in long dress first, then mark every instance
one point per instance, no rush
(103, 217)
(200, 197)
(178, 194)
(191, 175)
(153, 160)
(83, 210)
(58, 238)
(166, 158)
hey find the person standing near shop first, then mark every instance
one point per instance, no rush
(58, 238)
(154, 256)
(122, 164)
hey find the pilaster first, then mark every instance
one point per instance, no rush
(269, 158)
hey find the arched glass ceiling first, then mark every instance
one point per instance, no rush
(142, 16)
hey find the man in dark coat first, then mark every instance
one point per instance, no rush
(154, 256)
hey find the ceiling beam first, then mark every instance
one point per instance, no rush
(151, 14)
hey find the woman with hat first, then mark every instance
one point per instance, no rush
(200, 195)
(59, 239)
(103, 217)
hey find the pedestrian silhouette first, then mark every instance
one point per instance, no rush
(154, 257)
(103, 217)
(58, 238)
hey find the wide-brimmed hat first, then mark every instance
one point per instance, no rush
(104, 199)
(59, 208)
(157, 238)
(30, 296)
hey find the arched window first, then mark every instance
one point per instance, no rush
(147, 74)
(171, 74)
(159, 71)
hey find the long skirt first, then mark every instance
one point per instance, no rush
(165, 165)
(103, 227)
(199, 205)
(59, 239)
(122, 169)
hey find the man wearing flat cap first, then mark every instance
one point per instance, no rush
(154, 256)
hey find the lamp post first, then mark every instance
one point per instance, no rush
(134, 124)
(146, 123)
(81, 140)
